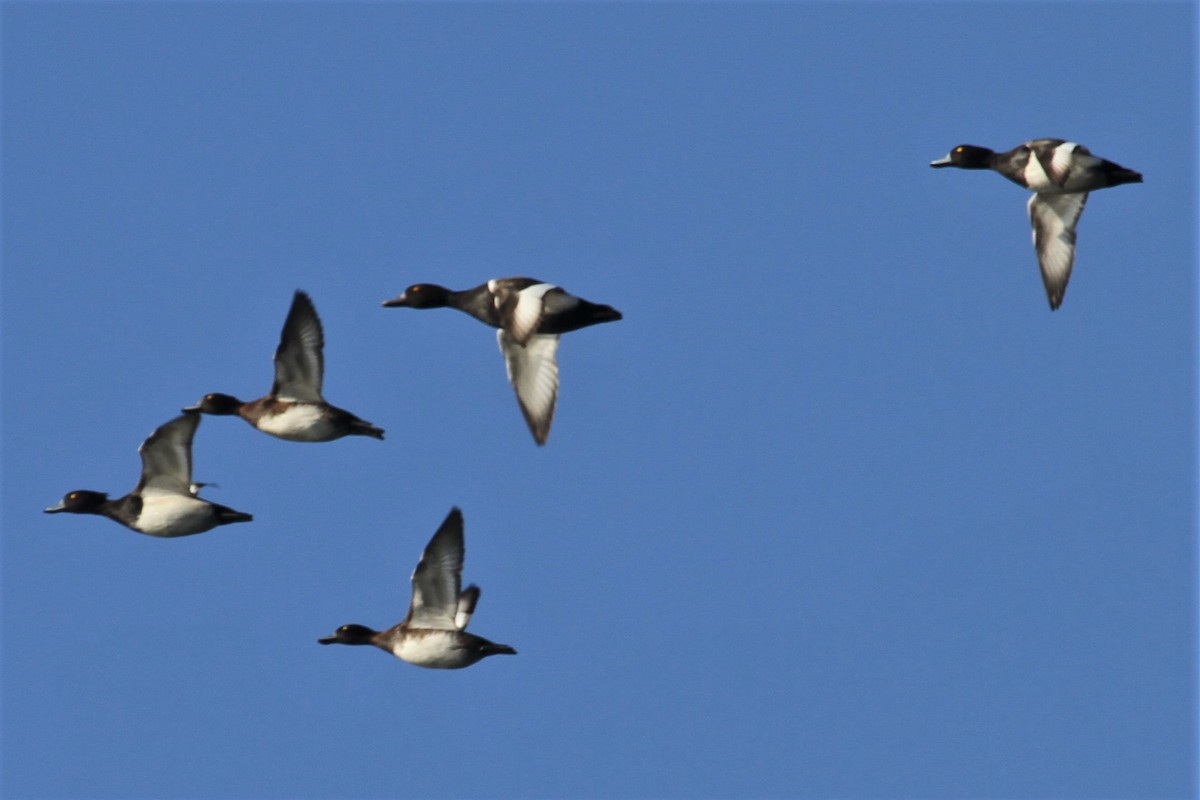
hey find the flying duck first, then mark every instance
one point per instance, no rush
(434, 632)
(530, 315)
(1060, 174)
(294, 409)
(165, 502)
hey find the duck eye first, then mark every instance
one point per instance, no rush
(958, 149)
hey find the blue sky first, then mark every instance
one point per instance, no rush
(839, 510)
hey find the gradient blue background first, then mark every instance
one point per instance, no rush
(839, 510)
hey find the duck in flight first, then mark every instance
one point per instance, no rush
(434, 632)
(1060, 174)
(530, 315)
(164, 502)
(295, 409)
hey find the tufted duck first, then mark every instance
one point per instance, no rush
(434, 632)
(1060, 174)
(165, 501)
(295, 409)
(530, 315)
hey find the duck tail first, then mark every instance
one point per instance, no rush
(226, 515)
(1117, 175)
(492, 649)
(363, 428)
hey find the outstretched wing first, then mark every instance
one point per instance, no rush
(466, 606)
(1054, 217)
(533, 372)
(167, 457)
(299, 359)
(438, 577)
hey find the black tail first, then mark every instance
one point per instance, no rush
(1116, 175)
(363, 428)
(600, 313)
(226, 515)
(490, 649)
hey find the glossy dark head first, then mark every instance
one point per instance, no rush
(966, 156)
(81, 501)
(216, 403)
(421, 295)
(350, 634)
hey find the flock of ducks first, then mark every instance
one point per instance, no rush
(529, 317)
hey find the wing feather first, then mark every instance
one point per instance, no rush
(533, 372)
(438, 577)
(299, 359)
(167, 457)
(1054, 217)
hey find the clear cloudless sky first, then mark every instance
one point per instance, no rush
(839, 510)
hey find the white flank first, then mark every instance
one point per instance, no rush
(1036, 179)
(435, 650)
(174, 515)
(300, 423)
(528, 311)
(1060, 164)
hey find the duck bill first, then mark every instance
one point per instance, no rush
(55, 509)
(396, 302)
(328, 640)
(941, 162)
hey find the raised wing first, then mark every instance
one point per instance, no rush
(466, 606)
(533, 372)
(438, 577)
(1054, 217)
(299, 359)
(167, 457)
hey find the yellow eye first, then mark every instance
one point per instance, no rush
(958, 149)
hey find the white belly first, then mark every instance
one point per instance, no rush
(437, 650)
(303, 423)
(174, 515)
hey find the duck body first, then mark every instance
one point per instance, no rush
(294, 409)
(293, 420)
(1045, 166)
(529, 315)
(1060, 174)
(433, 634)
(165, 501)
(423, 647)
(523, 305)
